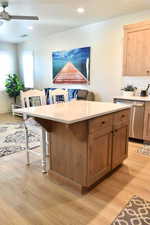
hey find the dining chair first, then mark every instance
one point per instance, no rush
(58, 95)
(29, 99)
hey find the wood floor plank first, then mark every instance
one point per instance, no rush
(29, 198)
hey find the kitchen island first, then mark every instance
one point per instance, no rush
(87, 140)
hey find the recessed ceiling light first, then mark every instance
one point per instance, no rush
(30, 28)
(80, 10)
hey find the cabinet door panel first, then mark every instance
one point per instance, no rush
(120, 146)
(134, 52)
(99, 156)
(137, 51)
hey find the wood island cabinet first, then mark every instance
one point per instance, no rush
(120, 137)
(120, 146)
(108, 144)
(89, 150)
(84, 152)
(137, 49)
(87, 140)
(99, 150)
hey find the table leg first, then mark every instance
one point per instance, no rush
(47, 144)
(43, 146)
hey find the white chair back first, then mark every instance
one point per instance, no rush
(55, 94)
(27, 95)
(40, 98)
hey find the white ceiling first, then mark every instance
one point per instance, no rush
(60, 15)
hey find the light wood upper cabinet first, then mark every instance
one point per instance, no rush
(137, 49)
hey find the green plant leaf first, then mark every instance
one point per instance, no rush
(13, 85)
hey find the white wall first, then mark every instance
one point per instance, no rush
(9, 50)
(106, 41)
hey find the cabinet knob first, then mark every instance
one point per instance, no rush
(147, 71)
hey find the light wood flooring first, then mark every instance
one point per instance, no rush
(29, 198)
(8, 118)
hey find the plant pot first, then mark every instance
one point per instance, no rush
(127, 93)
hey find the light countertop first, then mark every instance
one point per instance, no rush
(72, 112)
(134, 98)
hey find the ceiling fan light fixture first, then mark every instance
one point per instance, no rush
(4, 15)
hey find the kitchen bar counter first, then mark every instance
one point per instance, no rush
(72, 112)
(134, 98)
(140, 116)
(87, 140)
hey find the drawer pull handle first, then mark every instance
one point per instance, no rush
(122, 116)
(103, 122)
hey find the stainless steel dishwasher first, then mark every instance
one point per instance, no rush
(136, 119)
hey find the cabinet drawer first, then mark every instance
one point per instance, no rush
(100, 123)
(121, 118)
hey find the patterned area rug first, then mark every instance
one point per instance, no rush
(145, 150)
(12, 138)
(136, 212)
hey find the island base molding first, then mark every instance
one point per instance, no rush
(83, 153)
(72, 186)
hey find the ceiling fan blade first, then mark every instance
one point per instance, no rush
(24, 17)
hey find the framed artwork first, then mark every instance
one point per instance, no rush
(71, 67)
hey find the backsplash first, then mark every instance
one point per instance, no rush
(139, 82)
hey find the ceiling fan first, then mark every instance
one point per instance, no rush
(6, 16)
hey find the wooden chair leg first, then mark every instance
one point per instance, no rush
(27, 146)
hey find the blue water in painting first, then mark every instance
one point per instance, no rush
(79, 58)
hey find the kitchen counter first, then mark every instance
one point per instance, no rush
(72, 112)
(140, 116)
(134, 98)
(87, 140)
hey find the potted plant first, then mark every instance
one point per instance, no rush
(13, 86)
(128, 90)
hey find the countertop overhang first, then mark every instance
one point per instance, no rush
(72, 112)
